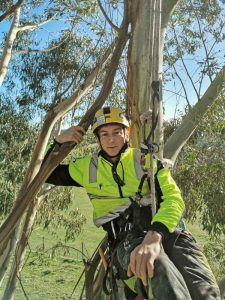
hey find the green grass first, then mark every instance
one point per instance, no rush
(51, 273)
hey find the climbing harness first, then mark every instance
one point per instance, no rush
(134, 213)
(117, 230)
(149, 147)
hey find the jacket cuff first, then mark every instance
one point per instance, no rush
(56, 143)
(161, 229)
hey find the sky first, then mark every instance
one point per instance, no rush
(173, 104)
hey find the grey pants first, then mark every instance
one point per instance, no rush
(181, 271)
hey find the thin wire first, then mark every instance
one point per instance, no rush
(20, 281)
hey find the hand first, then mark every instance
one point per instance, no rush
(143, 256)
(73, 134)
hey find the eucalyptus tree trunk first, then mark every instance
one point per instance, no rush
(149, 19)
(139, 70)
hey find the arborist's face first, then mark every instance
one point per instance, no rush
(112, 138)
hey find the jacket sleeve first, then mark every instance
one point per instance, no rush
(60, 175)
(171, 206)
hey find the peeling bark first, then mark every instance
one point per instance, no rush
(144, 62)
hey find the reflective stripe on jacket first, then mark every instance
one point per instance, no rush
(94, 173)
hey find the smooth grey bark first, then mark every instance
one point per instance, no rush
(168, 7)
(7, 52)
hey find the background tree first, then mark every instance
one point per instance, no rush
(46, 70)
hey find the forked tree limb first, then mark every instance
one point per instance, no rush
(11, 10)
(106, 17)
(58, 112)
(52, 116)
(180, 136)
(59, 153)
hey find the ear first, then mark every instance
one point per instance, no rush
(97, 140)
(127, 134)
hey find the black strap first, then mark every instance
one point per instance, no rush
(110, 277)
(106, 290)
(149, 141)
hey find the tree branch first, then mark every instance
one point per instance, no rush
(51, 119)
(59, 153)
(168, 7)
(181, 135)
(77, 73)
(11, 10)
(182, 60)
(203, 43)
(34, 26)
(40, 50)
(106, 17)
(7, 52)
(181, 82)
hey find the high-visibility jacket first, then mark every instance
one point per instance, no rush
(109, 198)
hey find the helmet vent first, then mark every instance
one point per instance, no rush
(106, 110)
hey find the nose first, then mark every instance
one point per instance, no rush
(111, 138)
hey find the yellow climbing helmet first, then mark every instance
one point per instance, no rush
(107, 115)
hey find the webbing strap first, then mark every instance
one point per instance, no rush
(93, 168)
(137, 166)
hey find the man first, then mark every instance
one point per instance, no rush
(145, 247)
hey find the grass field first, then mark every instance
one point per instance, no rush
(52, 272)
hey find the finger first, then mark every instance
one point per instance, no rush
(150, 268)
(139, 264)
(144, 277)
(77, 134)
(78, 137)
(142, 271)
(129, 272)
(82, 130)
(79, 129)
(132, 262)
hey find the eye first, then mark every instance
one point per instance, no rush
(104, 134)
(118, 132)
